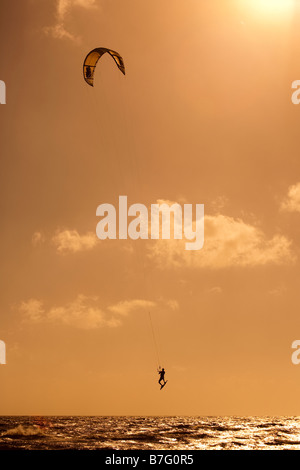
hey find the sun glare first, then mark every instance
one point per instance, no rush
(272, 7)
(276, 5)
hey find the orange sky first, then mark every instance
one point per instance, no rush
(203, 115)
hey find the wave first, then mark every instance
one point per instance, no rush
(21, 431)
(118, 433)
(282, 442)
(142, 437)
(268, 425)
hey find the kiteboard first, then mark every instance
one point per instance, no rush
(162, 386)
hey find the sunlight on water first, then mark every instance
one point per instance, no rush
(150, 433)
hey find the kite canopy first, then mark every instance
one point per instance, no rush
(92, 58)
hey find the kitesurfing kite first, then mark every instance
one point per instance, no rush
(90, 62)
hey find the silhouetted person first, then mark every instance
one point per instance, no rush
(161, 376)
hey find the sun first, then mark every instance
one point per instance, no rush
(268, 10)
(271, 7)
(275, 5)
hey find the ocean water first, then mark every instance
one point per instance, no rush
(149, 433)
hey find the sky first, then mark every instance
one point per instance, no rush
(203, 116)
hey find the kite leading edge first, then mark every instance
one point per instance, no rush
(90, 62)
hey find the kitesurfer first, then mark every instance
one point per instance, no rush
(161, 376)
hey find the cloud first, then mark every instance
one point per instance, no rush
(228, 242)
(33, 310)
(58, 31)
(219, 203)
(37, 238)
(69, 241)
(172, 304)
(215, 290)
(292, 202)
(85, 312)
(125, 307)
(63, 8)
(278, 291)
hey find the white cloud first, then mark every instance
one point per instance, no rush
(63, 8)
(85, 312)
(70, 241)
(292, 202)
(227, 242)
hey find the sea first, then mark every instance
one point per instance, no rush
(171, 433)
